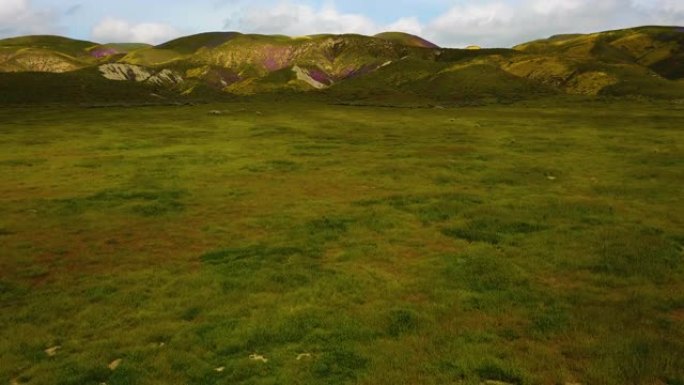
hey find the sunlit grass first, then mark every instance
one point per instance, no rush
(530, 245)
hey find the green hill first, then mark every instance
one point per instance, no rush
(190, 44)
(44, 54)
(644, 62)
(407, 39)
(59, 44)
(660, 49)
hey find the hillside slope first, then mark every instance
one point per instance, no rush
(56, 54)
(644, 62)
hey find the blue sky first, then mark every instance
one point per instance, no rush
(454, 23)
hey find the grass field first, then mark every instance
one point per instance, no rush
(343, 245)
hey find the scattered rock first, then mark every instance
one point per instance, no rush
(220, 369)
(303, 356)
(161, 344)
(440, 108)
(215, 112)
(257, 357)
(551, 177)
(51, 352)
(259, 113)
(115, 364)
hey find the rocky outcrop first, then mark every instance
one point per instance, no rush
(315, 79)
(131, 72)
(165, 77)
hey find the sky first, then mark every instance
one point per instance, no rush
(448, 23)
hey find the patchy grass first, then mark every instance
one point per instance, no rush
(524, 244)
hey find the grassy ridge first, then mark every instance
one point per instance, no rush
(531, 245)
(71, 47)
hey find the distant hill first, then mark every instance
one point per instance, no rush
(406, 39)
(643, 62)
(660, 49)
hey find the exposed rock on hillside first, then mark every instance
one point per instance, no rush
(120, 72)
(310, 77)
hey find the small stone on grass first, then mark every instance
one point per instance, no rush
(257, 357)
(115, 364)
(51, 352)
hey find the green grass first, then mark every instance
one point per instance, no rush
(531, 244)
(64, 45)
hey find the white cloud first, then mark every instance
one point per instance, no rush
(546, 7)
(116, 30)
(663, 11)
(297, 19)
(294, 19)
(21, 17)
(490, 23)
(406, 24)
(500, 23)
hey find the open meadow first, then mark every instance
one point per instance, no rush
(309, 243)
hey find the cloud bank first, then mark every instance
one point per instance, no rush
(20, 17)
(117, 30)
(490, 23)
(493, 23)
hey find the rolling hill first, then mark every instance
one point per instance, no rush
(641, 62)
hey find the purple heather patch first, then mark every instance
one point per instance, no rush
(271, 64)
(320, 76)
(103, 52)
